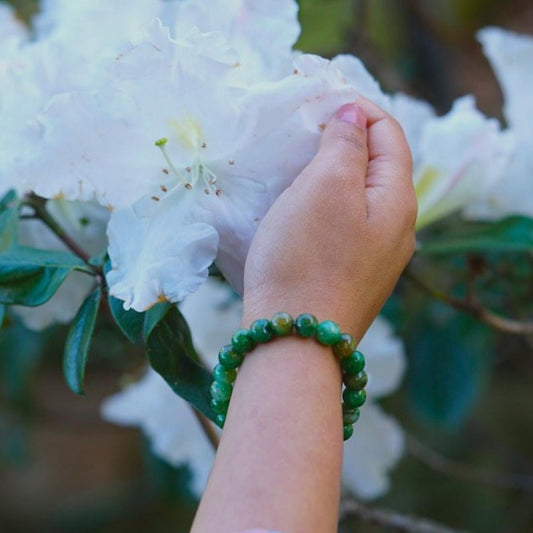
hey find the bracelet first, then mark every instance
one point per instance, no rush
(282, 324)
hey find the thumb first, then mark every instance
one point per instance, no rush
(343, 152)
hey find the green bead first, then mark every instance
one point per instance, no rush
(328, 333)
(221, 391)
(242, 341)
(354, 363)
(219, 420)
(305, 325)
(219, 407)
(354, 398)
(282, 324)
(227, 375)
(355, 381)
(346, 346)
(348, 431)
(349, 415)
(229, 358)
(261, 330)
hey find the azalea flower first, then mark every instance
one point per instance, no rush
(85, 223)
(456, 156)
(213, 313)
(511, 57)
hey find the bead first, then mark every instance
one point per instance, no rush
(305, 325)
(219, 420)
(261, 330)
(354, 398)
(328, 333)
(346, 346)
(347, 431)
(219, 407)
(355, 381)
(221, 391)
(349, 416)
(221, 373)
(282, 324)
(242, 341)
(354, 363)
(229, 358)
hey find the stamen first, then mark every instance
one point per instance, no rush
(160, 143)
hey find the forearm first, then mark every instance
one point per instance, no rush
(279, 461)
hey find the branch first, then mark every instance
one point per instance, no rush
(208, 429)
(390, 519)
(472, 306)
(38, 205)
(449, 467)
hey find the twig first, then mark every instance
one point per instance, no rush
(208, 429)
(449, 467)
(38, 205)
(472, 306)
(391, 520)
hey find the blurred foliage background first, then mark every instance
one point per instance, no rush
(465, 403)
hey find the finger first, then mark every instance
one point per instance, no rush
(389, 180)
(342, 157)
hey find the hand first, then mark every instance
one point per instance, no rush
(336, 241)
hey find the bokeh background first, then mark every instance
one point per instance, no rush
(466, 402)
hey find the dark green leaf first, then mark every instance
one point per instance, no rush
(513, 234)
(450, 356)
(31, 277)
(130, 322)
(78, 342)
(2, 314)
(153, 316)
(171, 352)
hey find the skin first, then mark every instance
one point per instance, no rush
(333, 244)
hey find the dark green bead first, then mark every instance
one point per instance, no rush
(261, 330)
(349, 415)
(305, 325)
(357, 381)
(354, 398)
(346, 346)
(328, 333)
(219, 420)
(242, 341)
(219, 407)
(227, 375)
(282, 324)
(229, 358)
(348, 431)
(221, 391)
(354, 363)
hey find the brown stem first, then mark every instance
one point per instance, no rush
(208, 429)
(38, 205)
(472, 306)
(449, 467)
(391, 520)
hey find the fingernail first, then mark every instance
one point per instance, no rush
(353, 114)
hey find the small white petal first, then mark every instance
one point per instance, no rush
(376, 446)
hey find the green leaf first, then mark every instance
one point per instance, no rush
(450, 358)
(130, 322)
(78, 341)
(31, 277)
(154, 315)
(8, 201)
(9, 220)
(171, 352)
(2, 314)
(513, 234)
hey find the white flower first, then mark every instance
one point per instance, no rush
(213, 313)
(169, 423)
(378, 441)
(456, 157)
(511, 56)
(85, 223)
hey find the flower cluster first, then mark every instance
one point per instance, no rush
(163, 143)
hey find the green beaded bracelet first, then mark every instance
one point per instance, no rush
(282, 324)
